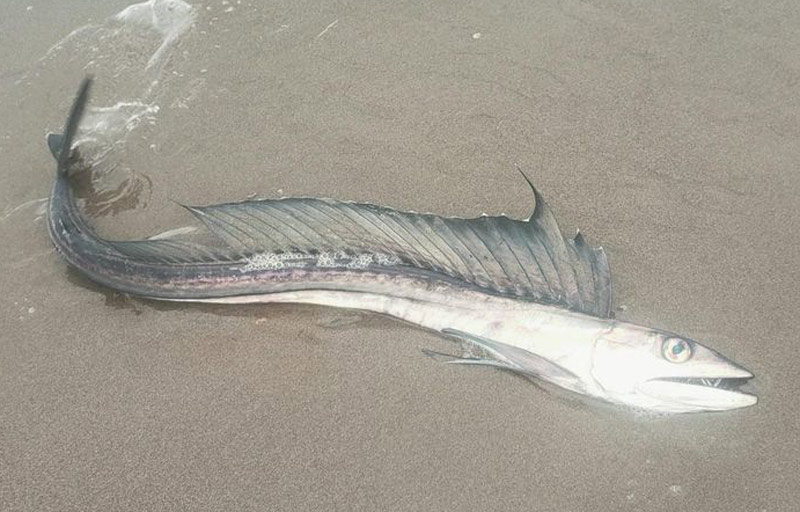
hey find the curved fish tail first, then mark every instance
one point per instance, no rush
(61, 144)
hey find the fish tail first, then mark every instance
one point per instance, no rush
(69, 231)
(60, 144)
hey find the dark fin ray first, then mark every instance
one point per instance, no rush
(221, 229)
(602, 283)
(533, 190)
(582, 259)
(172, 252)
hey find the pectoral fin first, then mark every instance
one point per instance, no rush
(478, 361)
(517, 360)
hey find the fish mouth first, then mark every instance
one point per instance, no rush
(725, 383)
(689, 394)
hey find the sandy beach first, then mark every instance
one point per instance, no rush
(668, 133)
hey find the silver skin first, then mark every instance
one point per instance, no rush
(609, 360)
(618, 362)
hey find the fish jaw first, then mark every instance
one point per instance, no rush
(631, 367)
(689, 397)
(710, 384)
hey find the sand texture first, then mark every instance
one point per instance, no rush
(668, 132)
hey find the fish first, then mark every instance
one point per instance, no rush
(516, 294)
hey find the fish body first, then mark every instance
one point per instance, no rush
(529, 300)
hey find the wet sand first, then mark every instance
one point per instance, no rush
(668, 135)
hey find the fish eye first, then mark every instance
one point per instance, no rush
(676, 350)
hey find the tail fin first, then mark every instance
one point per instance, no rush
(61, 144)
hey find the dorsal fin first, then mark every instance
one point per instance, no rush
(528, 259)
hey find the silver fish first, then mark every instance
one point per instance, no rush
(529, 300)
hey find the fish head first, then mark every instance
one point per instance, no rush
(665, 373)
